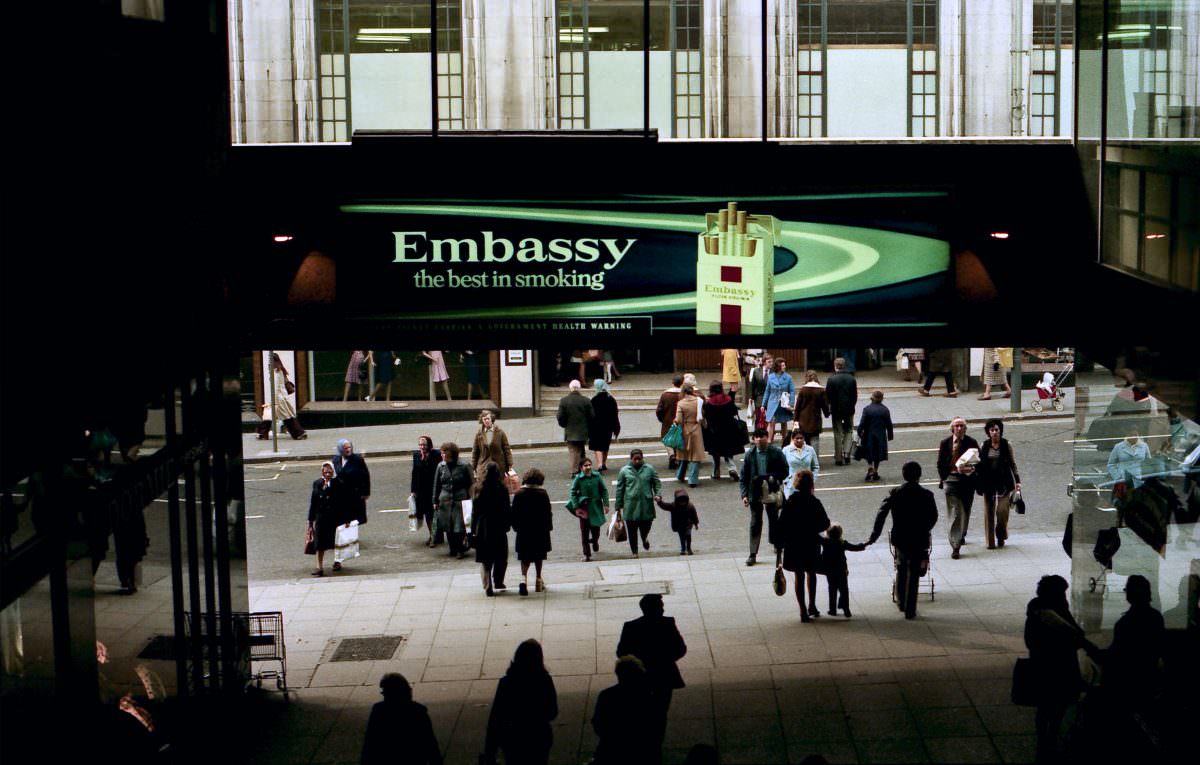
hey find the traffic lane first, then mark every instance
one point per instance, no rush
(277, 503)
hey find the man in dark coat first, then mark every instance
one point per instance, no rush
(665, 412)
(399, 729)
(575, 415)
(939, 361)
(655, 640)
(841, 391)
(959, 482)
(914, 514)
(763, 462)
(756, 382)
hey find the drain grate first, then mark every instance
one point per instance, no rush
(379, 648)
(632, 590)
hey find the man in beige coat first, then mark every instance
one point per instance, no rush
(491, 444)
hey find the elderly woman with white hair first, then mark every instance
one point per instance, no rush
(351, 470)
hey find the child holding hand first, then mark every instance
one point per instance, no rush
(683, 519)
(837, 571)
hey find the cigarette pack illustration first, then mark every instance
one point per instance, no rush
(735, 273)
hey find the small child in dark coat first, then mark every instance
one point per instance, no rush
(837, 571)
(683, 519)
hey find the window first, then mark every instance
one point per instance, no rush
(574, 34)
(1150, 221)
(1053, 31)
(867, 23)
(687, 75)
(923, 68)
(810, 65)
(347, 28)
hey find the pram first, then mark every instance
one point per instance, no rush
(924, 584)
(1050, 389)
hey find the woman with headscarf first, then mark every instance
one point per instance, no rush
(874, 432)
(451, 485)
(351, 470)
(490, 523)
(722, 432)
(525, 704)
(420, 489)
(687, 416)
(491, 445)
(325, 513)
(606, 425)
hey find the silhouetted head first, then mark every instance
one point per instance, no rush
(911, 471)
(651, 604)
(1052, 587)
(1137, 590)
(876, 397)
(810, 376)
(803, 482)
(835, 532)
(450, 452)
(676, 380)
(839, 364)
(394, 687)
(533, 477)
(629, 669)
(715, 387)
(574, 385)
(528, 659)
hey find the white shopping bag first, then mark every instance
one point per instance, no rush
(345, 542)
(467, 506)
(412, 506)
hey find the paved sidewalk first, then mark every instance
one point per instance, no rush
(907, 407)
(761, 686)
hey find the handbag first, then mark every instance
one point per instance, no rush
(674, 437)
(770, 492)
(310, 541)
(1017, 501)
(743, 432)
(902, 362)
(616, 528)
(779, 581)
(860, 452)
(513, 481)
(1024, 683)
(289, 386)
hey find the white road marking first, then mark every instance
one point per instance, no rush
(248, 517)
(252, 480)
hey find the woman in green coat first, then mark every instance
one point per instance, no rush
(638, 488)
(589, 501)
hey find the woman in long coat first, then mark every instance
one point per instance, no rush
(779, 382)
(687, 415)
(451, 485)
(352, 472)
(802, 520)
(811, 407)
(325, 513)
(491, 445)
(588, 500)
(638, 488)
(723, 437)
(606, 425)
(874, 432)
(533, 522)
(490, 523)
(420, 488)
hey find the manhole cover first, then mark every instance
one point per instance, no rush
(632, 590)
(367, 648)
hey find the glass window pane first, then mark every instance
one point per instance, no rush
(931, 126)
(1158, 195)
(339, 65)
(443, 63)
(917, 126)
(816, 107)
(694, 83)
(339, 132)
(694, 61)
(564, 86)
(681, 105)
(1129, 189)
(456, 109)
(339, 87)
(931, 83)
(456, 64)
(681, 83)
(816, 84)
(566, 112)
(930, 105)
(681, 61)
(918, 83)
(1127, 254)
(1158, 251)
(916, 105)
(456, 87)
(802, 60)
(1035, 126)
(339, 110)
(803, 129)
(694, 105)
(803, 83)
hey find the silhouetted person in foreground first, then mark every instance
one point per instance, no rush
(399, 731)
(1053, 638)
(625, 718)
(525, 703)
(655, 640)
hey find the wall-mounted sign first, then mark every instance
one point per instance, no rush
(633, 266)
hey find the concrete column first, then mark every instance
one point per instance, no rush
(273, 71)
(510, 64)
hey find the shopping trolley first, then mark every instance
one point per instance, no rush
(924, 584)
(257, 637)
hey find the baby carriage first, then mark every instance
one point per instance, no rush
(1050, 389)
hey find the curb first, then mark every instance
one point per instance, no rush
(643, 439)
